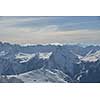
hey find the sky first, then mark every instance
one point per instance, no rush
(42, 29)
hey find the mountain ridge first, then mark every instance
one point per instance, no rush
(16, 59)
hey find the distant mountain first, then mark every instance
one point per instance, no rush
(77, 63)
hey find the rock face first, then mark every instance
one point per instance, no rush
(88, 72)
(80, 64)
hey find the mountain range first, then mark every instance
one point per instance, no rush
(52, 63)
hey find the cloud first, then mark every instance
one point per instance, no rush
(13, 21)
(49, 35)
(48, 29)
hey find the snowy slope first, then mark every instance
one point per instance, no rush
(58, 61)
(5, 79)
(44, 55)
(43, 76)
(24, 57)
(91, 57)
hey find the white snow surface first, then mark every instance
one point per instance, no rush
(45, 55)
(25, 57)
(42, 76)
(93, 57)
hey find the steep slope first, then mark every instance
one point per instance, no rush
(62, 59)
(93, 57)
(44, 76)
(88, 68)
(82, 64)
(23, 62)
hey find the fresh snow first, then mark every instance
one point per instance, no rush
(24, 57)
(42, 76)
(93, 57)
(45, 55)
(89, 57)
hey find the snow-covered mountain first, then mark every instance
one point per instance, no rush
(88, 68)
(43, 75)
(29, 62)
(93, 57)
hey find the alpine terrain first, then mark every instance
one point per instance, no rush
(49, 63)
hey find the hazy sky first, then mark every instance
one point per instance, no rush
(50, 29)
